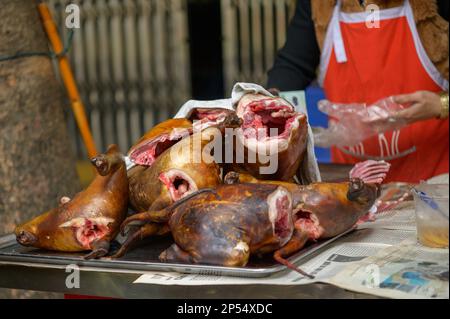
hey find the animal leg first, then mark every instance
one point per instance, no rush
(232, 177)
(247, 178)
(159, 204)
(146, 230)
(175, 254)
(236, 177)
(234, 253)
(159, 216)
(99, 249)
(296, 243)
(163, 215)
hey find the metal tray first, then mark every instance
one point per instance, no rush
(145, 258)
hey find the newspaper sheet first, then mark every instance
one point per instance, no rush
(352, 248)
(400, 219)
(380, 258)
(402, 271)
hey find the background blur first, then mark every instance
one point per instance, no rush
(137, 61)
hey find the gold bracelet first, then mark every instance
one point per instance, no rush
(444, 105)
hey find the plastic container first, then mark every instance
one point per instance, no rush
(431, 202)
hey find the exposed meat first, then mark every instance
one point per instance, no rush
(271, 127)
(280, 205)
(181, 165)
(263, 115)
(178, 183)
(370, 171)
(211, 114)
(227, 226)
(91, 219)
(158, 139)
(205, 117)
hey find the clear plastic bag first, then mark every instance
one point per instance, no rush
(352, 123)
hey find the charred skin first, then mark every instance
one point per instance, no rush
(178, 172)
(326, 210)
(320, 210)
(228, 230)
(159, 138)
(91, 219)
(150, 187)
(259, 111)
(155, 184)
(154, 223)
(206, 117)
(154, 188)
(234, 177)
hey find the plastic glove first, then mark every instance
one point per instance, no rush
(353, 123)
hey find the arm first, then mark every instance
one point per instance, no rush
(424, 105)
(296, 63)
(443, 8)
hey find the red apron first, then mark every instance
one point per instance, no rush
(363, 63)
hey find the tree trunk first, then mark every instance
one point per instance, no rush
(37, 165)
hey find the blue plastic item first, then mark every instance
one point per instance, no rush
(313, 95)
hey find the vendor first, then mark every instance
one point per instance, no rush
(404, 54)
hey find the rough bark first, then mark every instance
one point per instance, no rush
(37, 165)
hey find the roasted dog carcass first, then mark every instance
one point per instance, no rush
(184, 168)
(91, 219)
(227, 225)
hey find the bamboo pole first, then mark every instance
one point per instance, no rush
(68, 79)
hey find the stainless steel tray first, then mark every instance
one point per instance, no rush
(145, 258)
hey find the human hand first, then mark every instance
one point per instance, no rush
(357, 121)
(423, 105)
(274, 91)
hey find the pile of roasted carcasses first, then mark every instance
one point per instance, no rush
(218, 212)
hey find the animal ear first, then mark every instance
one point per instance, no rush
(106, 162)
(112, 148)
(102, 164)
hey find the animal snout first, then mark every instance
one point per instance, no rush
(355, 189)
(98, 161)
(26, 238)
(101, 164)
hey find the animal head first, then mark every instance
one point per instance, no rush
(108, 162)
(363, 193)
